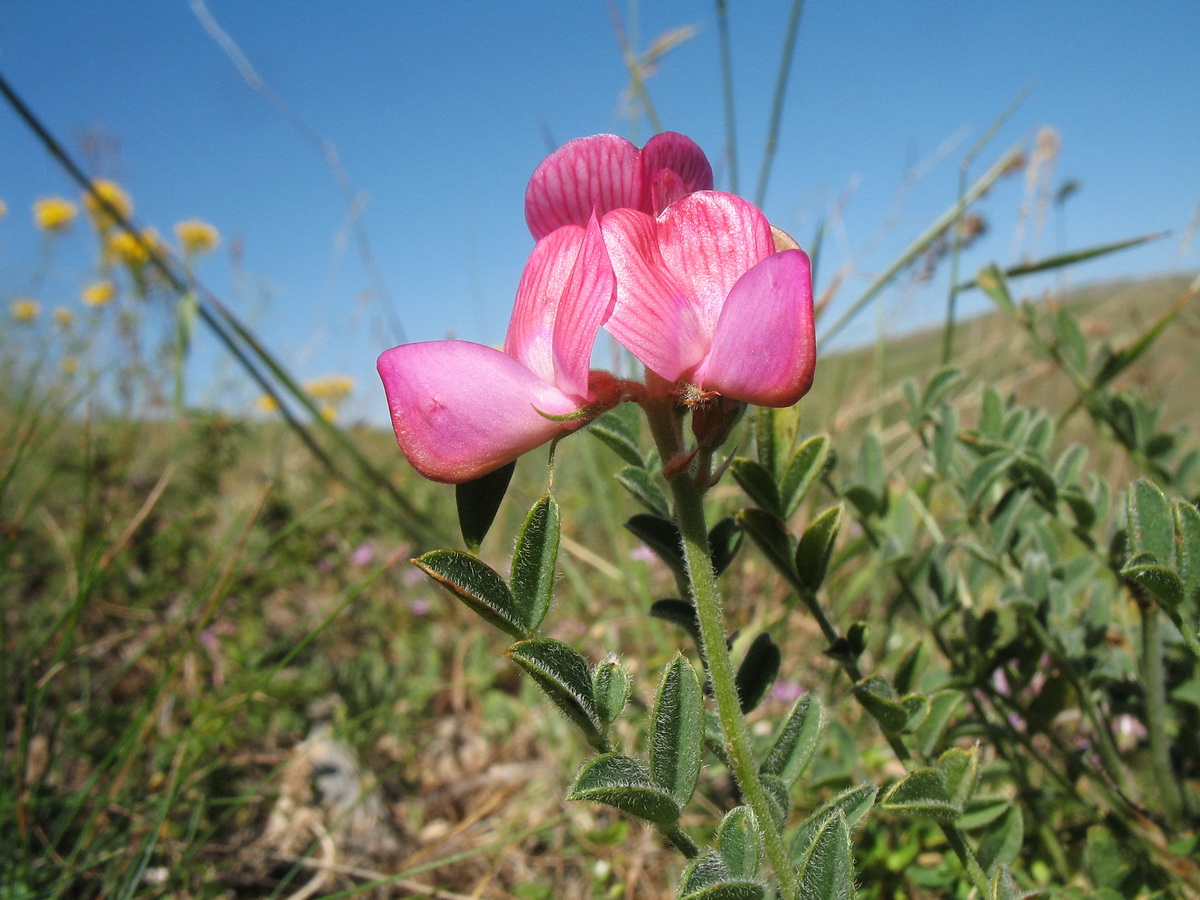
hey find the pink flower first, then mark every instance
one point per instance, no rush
(462, 410)
(707, 295)
(605, 172)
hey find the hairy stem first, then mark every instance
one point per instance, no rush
(688, 495)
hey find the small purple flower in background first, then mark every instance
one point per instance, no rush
(418, 606)
(363, 555)
(786, 692)
(642, 553)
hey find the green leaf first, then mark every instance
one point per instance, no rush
(796, 741)
(682, 613)
(852, 803)
(1151, 522)
(878, 698)
(1003, 887)
(917, 707)
(1070, 340)
(662, 536)
(534, 560)
(478, 501)
(1162, 582)
(985, 473)
(758, 671)
(871, 466)
(740, 843)
(708, 878)
(993, 283)
(563, 674)
(772, 538)
(610, 690)
(939, 386)
(641, 484)
(909, 668)
(815, 548)
(618, 430)
(983, 810)
(766, 443)
(724, 541)
(677, 736)
(961, 770)
(477, 585)
(758, 483)
(923, 794)
(622, 782)
(803, 469)
(991, 413)
(825, 869)
(1187, 524)
(945, 440)
(778, 799)
(1002, 843)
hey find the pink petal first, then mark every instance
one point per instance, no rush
(764, 350)
(587, 302)
(709, 240)
(530, 336)
(675, 154)
(599, 173)
(654, 318)
(461, 410)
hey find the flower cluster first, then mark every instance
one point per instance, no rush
(695, 283)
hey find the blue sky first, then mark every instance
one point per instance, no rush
(440, 111)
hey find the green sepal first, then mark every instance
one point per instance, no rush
(816, 547)
(740, 843)
(642, 486)
(477, 585)
(802, 472)
(825, 868)
(478, 501)
(850, 646)
(677, 732)
(622, 782)
(923, 794)
(758, 671)
(879, 699)
(563, 674)
(618, 430)
(852, 803)
(708, 878)
(796, 741)
(534, 561)
(759, 484)
(610, 690)
(771, 536)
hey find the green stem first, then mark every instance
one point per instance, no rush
(689, 515)
(1153, 682)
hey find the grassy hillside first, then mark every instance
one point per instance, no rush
(222, 678)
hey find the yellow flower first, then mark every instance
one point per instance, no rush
(69, 365)
(117, 199)
(330, 388)
(328, 413)
(124, 247)
(25, 310)
(267, 403)
(63, 317)
(3, 209)
(98, 293)
(54, 214)
(197, 237)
